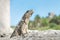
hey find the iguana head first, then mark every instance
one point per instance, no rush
(28, 13)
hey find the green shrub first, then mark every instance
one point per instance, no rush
(52, 25)
(57, 27)
(45, 22)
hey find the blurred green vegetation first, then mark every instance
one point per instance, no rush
(44, 23)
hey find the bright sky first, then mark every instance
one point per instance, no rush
(40, 7)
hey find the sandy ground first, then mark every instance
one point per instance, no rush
(36, 35)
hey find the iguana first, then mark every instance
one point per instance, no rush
(22, 27)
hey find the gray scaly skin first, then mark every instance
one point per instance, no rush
(22, 27)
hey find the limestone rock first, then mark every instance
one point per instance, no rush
(37, 35)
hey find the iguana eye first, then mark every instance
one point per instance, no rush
(27, 11)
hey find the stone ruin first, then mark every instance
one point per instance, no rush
(51, 15)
